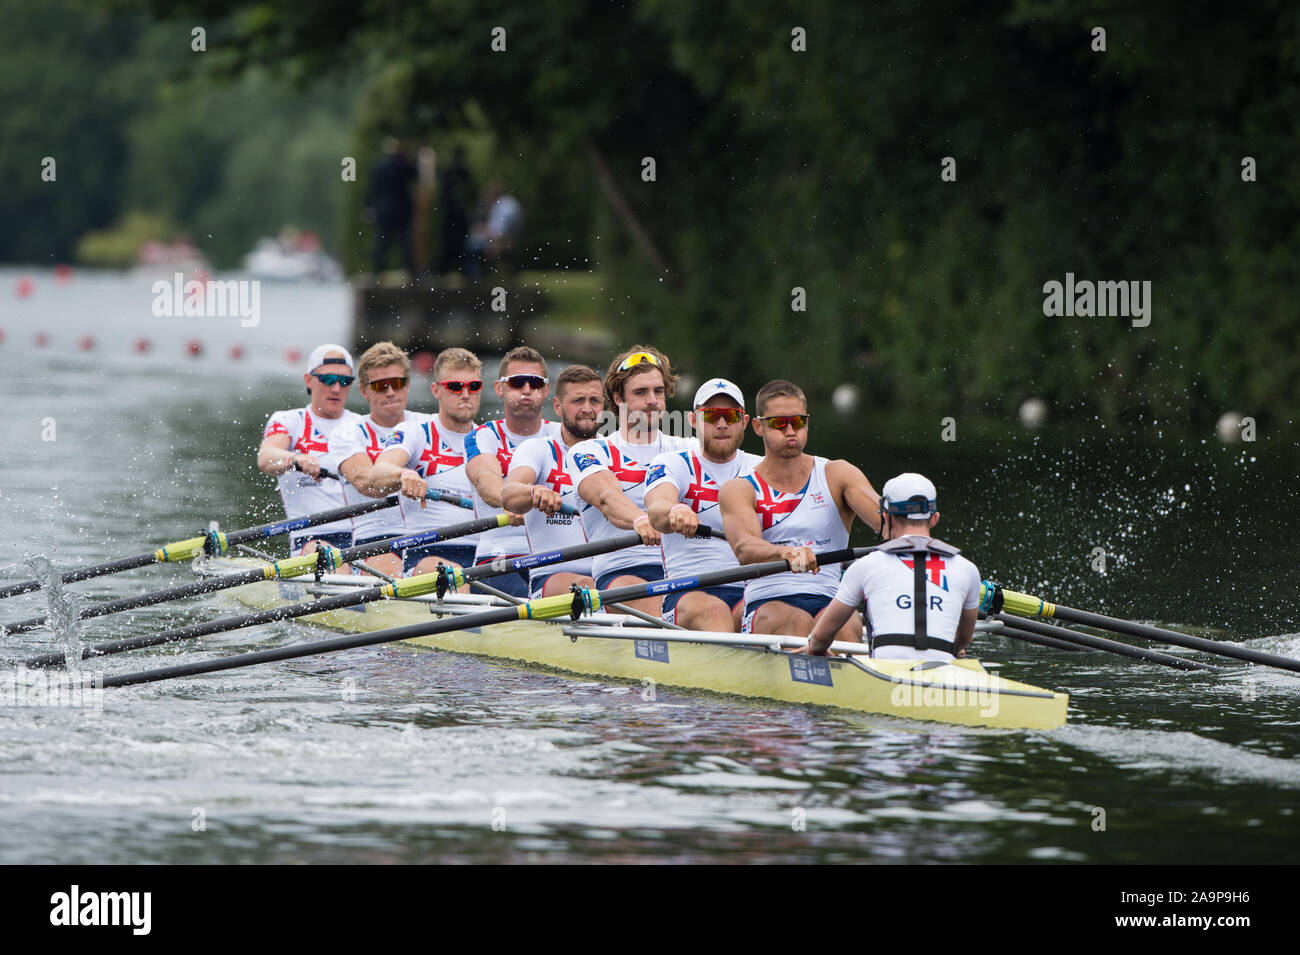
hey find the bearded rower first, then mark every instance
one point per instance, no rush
(682, 493)
(540, 482)
(385, 374)
(522, 386)
(792, 505)
(298, 437)
(611, 471)
(922, 596)
(415, 457)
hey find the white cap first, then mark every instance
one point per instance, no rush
(902, 496)
(714, 387)
(318, 357)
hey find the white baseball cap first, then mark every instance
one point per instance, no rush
(318, 357)
(714, 387)
(910, 496)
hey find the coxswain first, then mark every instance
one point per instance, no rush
(922, 596)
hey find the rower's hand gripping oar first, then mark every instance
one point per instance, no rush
(1027, 605)
(213, 542)
(582, 600)
(324, 559)
(406, 587)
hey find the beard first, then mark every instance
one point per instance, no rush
(459, 417)
(583, 428)
(719, 449)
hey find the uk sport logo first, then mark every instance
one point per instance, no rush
(656, 473)
(584, 461)
(392, 440)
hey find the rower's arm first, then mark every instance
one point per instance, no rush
(829, 622)
(484, 472)
(658, 502)
(386, 475)
(850, 486)
(274, 457)
(965, 630)
(357, 469)
(740, 522)
(601, 489)
(517, 491)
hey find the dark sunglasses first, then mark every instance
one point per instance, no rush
(536, 382)
(781, 422)
(330, 380)
(388, 384)
(456, 387)
(714, 415)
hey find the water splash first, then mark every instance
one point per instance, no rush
(64, 610)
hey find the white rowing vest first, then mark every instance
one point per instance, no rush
(438, 456)
(363, 435)
(628, 463)
(886, 581)
(697, 481)
(302, 495)
(546, 457)
(804, 518)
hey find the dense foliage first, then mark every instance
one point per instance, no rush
(777, 169)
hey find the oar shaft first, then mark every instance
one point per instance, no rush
(542, 609)
(296, 650)
(1146, 631)
(293, 567)
(186, 550)
(1101, 643)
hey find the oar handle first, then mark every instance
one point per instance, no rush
(324, 472)
(449, 497)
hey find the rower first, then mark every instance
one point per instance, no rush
(522, 386)
(385, 374)
(414, 458)
(611, 471)
(299, 436)
(790, 506)
(682, 493)
(922, 596)
(540, 481)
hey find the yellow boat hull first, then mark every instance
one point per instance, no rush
(961, 692)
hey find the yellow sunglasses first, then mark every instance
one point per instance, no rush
(638, 358)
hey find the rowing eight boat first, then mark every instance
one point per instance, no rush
(617, 646)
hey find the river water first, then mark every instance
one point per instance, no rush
(443, 758)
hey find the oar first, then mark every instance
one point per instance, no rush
(215, 542)
(1027, 605)
(1048, 631)
(292, 567)
(434, 493)
(406, 587)
(582, 600)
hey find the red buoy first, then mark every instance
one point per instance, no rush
(141, 346)
(63, 274)
(24, 287)
(422, 362)
(236, 352)
(194, 347)
(86, 342)
(292, 356)
(42, 339)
